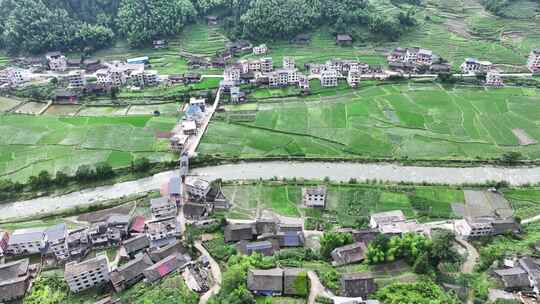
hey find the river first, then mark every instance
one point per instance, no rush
(342, 171)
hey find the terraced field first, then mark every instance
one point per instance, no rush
(202, 39)
(414, 121)
(29, 144)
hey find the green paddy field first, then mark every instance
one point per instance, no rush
(413, 121)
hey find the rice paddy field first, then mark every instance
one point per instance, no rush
(420, 121)
(30, 144)
(202, 39)
(345, 203)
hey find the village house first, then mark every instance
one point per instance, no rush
(266, 225)
(237, 96)
(265, 282)
(162, 231)
(314, 197)
(349, 254)
(289, 63)
(315, 68)
(474, 66)
(533, 63)
(174, 248)
(403, 67)
(175, 79)
(282, 78)
(78, 244)
(260, 50)
(232, 73)
(329, 78)
(189, 127)
(290, 235)
(196, 211)
(302, 39)
(4, 240)
(227, 85)
(473, 227)
(525, 276)
(344, 39)
(55, 241)
(353, 78)
(87, 274)
(267, 65)
(74, 63)
(238, 232)
(65, 96)
(97, 233)
(494, 79)
(178, 142)
(138, 60)
(117, 228)
(134, 245)
(359, 284)
(440, 68)
(91, 64)
(364, 235)
(197, 188)
(388, 217)
(15, 279)
(160, 44)
(266, 248)
(130, 273)
(195, 113)
(199, 102)
(76, 79)
(162, 207)
(165, 266)
(142, 78)
(397, 55)
(303, 83)
(402, 227)
(419, 56)
(212, 20)
(26, 241)
(56, 61)
(235, 47)
(174, 189)
(192, 77)
(137, 225)
(13, 76)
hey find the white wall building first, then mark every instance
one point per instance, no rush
(260, 50)
(76, 79)
(329, 78)
(56, 61)
(87, 274)
(289, 63)
(533, 63)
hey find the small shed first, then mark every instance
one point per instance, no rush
(344, 39)
(265, 282)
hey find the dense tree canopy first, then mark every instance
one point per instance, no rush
(423, 292)
(143, 20)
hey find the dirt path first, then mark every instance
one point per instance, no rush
(216, 273)
(317, 288)
(472, 256)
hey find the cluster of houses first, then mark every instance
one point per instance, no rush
(190, 124)
(149, 249)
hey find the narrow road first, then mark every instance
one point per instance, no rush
(193, 144)
(317, 288)
(216, 273)
(472, 256)
(338, 171)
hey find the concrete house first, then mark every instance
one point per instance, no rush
(238, 232)
(494, 79)
(474, 66)
(232, 73)
(142, 78)
(303, 83)
(55, 237)
(160, 44)
(353, 78)
(329, 78)
(178, 142)
(266, 248)
(78, 243)
(382, 218)
(314, 197)
(525, 276)
(130, 273)
(162, 231)
(289, 63)
(349, 254)
(13, 76)
(265, 282)
(533, 63)
(189, 127)
(260, 49)
(397, 55)
(163, 207)
(26, 241)
(88, 274)
(15, 280)
(282, 78)
(486, 226)
(196, 211)
(419, 56)
(56, 61)
(267, 65)
(359, 284)
(76, 79)
(197, 188)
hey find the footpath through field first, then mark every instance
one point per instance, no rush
(342, 171)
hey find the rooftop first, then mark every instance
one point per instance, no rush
(75, 268)
(27, 235)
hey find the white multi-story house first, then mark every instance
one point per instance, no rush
(162, 207)
(533, 63)
(267, 65)
(316, 68)
(13, 76)
(232, 73)
(283, 77)
(160, 231)
(55, 241)
(494, 79)
(255, 65)
(56, 61)
(88, 274)
(329, 78)
(397, 55)
(353, 78)
(76, 79)
(303, 82)
(474, 66)
(289, 63)
(260, 50)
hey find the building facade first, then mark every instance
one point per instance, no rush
(88, 274)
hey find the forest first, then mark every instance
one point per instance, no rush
(36, 26)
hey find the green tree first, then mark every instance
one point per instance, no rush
(422, 292)
(141, 164)
(511, 157)
(61, 178)
(85, 173)
(331, 240)
(104, 170)
(47, 290)
(143, 20)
